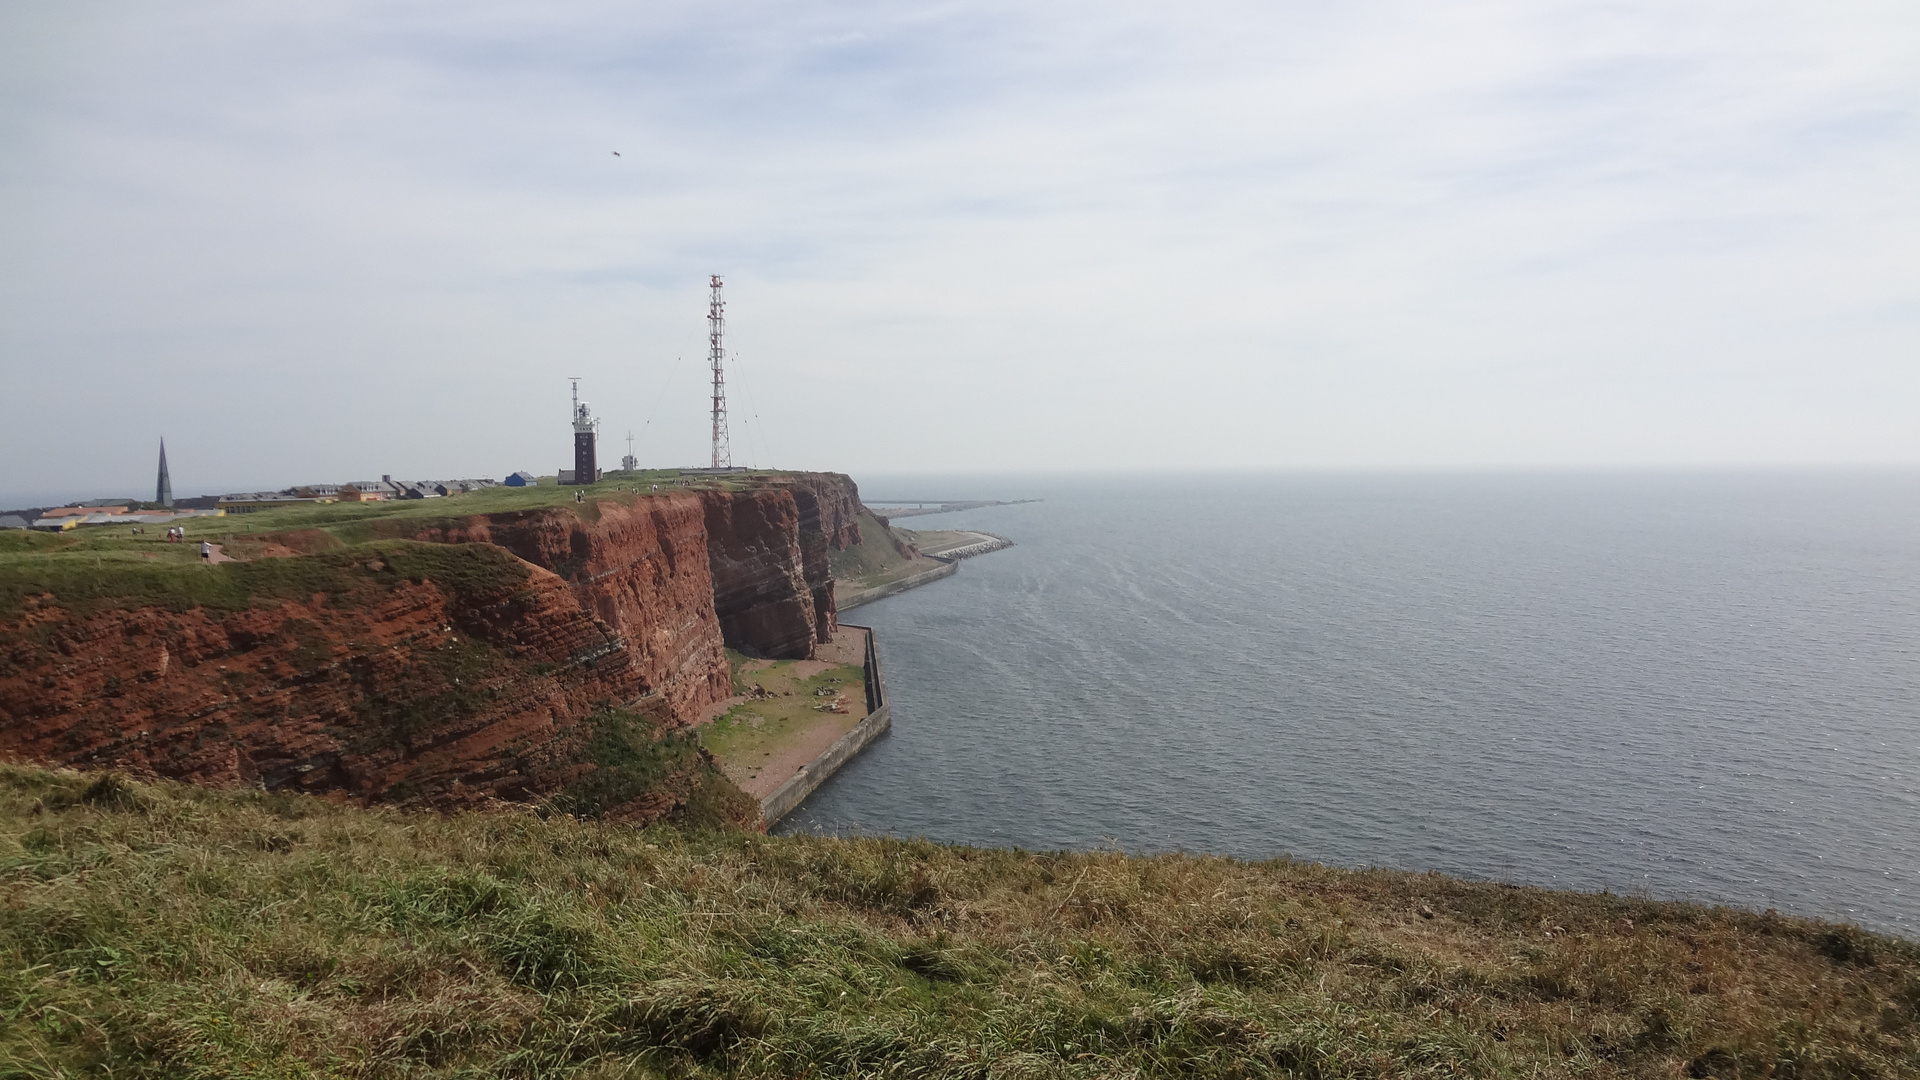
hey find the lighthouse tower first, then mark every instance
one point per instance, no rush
(585, 428)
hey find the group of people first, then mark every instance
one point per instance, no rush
(177, 534)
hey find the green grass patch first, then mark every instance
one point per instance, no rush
(86, 582)
(878, 555)
(759, 729)
(634, 761)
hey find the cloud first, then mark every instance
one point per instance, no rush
(375, 238)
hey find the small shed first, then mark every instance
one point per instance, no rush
(13, 521)
(522, 479)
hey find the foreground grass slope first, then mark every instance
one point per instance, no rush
(169, 931)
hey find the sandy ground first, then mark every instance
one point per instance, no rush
(848, 646)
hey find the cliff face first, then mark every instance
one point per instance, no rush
(759, 578)
(828, 506)
(394, 687)
(639, 567)
(451, 680)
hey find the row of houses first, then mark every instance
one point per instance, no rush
(385, 489)
(129, 512)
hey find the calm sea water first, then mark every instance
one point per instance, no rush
(1681, 686)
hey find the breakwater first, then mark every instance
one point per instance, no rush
(987, 542)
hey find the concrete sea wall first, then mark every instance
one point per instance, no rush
(879, 718)
(947, 568)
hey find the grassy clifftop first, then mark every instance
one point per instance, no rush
(169, 931)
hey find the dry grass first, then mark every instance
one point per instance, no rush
(760, 730)
(167, 931)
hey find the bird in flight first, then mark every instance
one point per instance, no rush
(616, 153)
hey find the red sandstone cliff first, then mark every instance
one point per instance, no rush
(451, 685)
(641, 567)
(394, 685)
(829, 513)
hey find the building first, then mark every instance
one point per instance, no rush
(80, 510)
(522, 479)
(163, 488)
(585, 429)
(13, 521)
(247, 502)
(383, 488)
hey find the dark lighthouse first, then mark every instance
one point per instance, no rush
(585, 427)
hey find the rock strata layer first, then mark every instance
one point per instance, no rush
(474, 675)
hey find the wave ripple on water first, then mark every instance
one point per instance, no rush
(1700, 687)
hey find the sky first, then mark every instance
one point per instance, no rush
(324, 242)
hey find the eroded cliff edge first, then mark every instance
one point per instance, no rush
(551, 652)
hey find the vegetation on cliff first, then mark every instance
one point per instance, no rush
(169, 931)
(86, 586)
(498, 645)
(885, 556)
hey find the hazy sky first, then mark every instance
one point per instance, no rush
(322, 242)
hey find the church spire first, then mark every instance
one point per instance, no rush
(163, 488)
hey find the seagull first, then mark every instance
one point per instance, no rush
(616, 153)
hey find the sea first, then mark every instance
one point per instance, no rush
(1684, 686)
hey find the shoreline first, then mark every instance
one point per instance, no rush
(793, 791)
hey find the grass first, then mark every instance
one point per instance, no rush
(634, 762)
(84, 584)
(108, 563)
(758, 730)
(879, 557)
(166, 931)
(99, 565)
(97, 539)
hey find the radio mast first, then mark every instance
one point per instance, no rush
(716, 329)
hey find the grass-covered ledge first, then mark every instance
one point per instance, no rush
(167, 931)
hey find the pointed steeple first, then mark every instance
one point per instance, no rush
(163, 489)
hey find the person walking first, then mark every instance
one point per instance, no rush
(206, 552)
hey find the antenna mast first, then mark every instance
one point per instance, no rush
(586, 467)
(716, 329)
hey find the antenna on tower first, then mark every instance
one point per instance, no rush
(629, 462)
(716, 329)
(586, 469)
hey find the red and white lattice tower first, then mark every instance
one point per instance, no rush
(716, 329)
